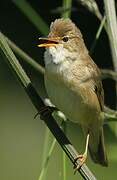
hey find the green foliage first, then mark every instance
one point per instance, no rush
(32, 15)
(42, 27)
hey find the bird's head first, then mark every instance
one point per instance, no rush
(63, 32)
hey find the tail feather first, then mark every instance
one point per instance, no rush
(98, 154)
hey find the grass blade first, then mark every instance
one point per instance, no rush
(13, 61)
(67, 4)
(112, 28)
(32, 15)
(112, 35)
(97, 35)
(45, 165)
(25, 56)
(38, 103)
(64, 125)
(92, 6)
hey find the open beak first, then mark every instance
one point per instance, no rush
(48, 42)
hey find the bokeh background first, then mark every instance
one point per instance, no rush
(22, 137)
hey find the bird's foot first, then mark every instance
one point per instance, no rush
(82, 158)
(45, 110)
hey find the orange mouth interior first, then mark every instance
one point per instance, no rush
(46, 42)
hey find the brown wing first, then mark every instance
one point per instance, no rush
(88, 73)
(96, 74)
(100, 94)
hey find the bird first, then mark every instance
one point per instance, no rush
(73, 84)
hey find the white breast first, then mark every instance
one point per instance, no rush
(58, 74)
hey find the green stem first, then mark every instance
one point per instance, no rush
(112, 31)
(97, 35)
(32, 15)
(112, 28)
(67, 4)
(13, 61)
(46, 145)
(45, 165)
(25, 56)
(46, 116)
(64, 125)
(64, 167)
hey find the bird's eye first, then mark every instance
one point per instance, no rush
(65, 38)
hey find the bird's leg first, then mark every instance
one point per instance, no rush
(82, 157)
(42, 110)
(45, 110)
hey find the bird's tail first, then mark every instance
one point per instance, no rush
(97, 148)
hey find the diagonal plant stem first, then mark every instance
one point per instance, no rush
(92, 6)
(38, 103)
(44, 168)
(106, 73)
(30, 61)
(32, 15)
(97, 35)
(25, 56)
(67, 4)
(111, 17)
(64, 155)
(41, 25)
(108, 116)
(41, 71)
(112, 31)
(112, 28)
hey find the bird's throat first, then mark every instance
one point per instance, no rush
(55, 55)
(58, 55)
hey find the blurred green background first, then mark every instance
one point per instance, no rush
(21, 136)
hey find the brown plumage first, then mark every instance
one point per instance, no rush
(73, 83)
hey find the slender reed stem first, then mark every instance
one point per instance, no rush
(32, 15)
(45, 165)
(97, 35)
(112, 31)
(25, 56)
(67, 4)
(64, 125)
(38, 103)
